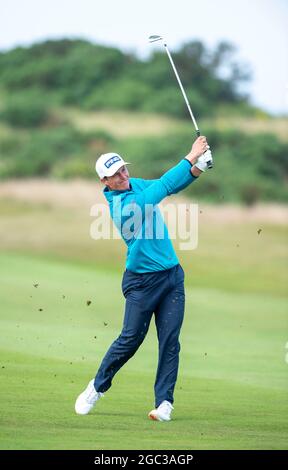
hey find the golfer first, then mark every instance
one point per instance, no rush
(153, 281)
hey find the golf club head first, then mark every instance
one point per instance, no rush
(155, 37)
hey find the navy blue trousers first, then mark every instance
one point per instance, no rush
(161, 293)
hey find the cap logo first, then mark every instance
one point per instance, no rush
(111, 161)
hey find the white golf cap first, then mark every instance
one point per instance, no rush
(108, 163)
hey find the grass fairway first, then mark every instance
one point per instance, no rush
(232, 386)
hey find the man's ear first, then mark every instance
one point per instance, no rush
(105, 181)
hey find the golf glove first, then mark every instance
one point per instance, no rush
(205, 161)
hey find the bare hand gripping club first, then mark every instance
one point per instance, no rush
(155, 38)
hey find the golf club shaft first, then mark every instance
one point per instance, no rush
(210, 165)
(183, 91)
(154, 38)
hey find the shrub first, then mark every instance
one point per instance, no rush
(118, 94)
(25, 110)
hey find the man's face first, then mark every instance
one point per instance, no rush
(119, 181)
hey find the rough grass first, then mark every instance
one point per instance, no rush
(276, 126)
(242, 256)
(123, 124)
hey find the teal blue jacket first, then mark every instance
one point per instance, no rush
(139, 221)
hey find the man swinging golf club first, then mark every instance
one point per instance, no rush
(153, 282)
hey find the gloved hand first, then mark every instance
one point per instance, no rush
(205, 161)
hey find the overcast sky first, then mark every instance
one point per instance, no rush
(259, 28)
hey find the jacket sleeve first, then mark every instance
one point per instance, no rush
(173, 181)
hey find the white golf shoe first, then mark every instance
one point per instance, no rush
(87, 399)
(163, 412)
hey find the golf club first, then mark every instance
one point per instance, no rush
(155, 38)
